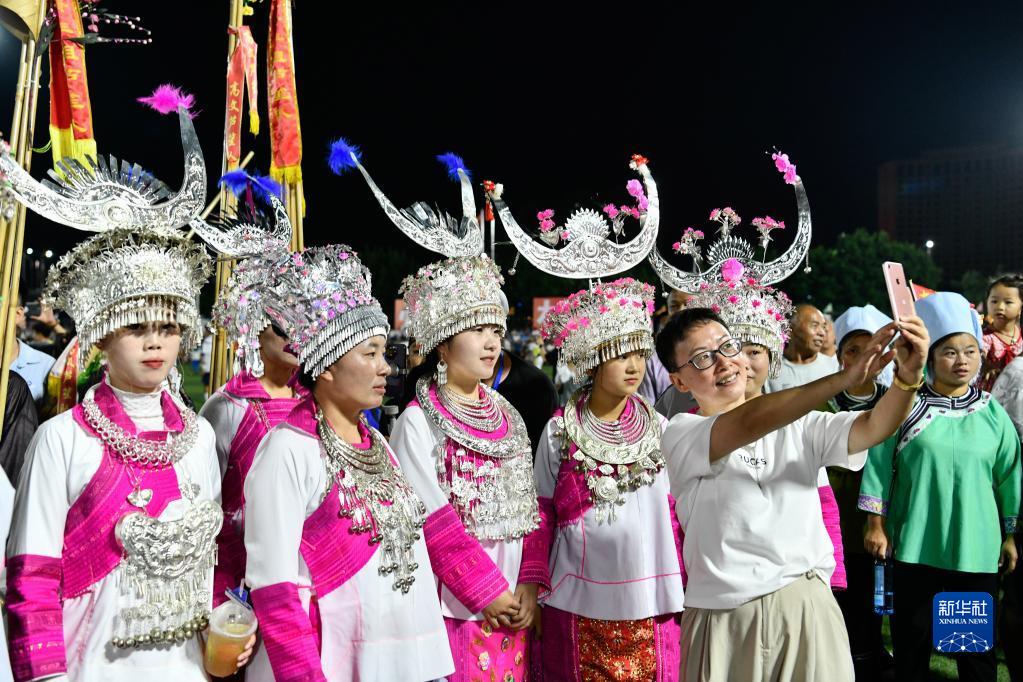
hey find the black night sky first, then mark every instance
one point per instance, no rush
(552, 98)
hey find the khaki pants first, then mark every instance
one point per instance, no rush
(796, 633)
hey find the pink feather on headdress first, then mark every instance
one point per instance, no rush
(167, 98)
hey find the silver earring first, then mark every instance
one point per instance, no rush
(442, 373)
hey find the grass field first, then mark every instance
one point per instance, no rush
(944, 667)
(191, 384)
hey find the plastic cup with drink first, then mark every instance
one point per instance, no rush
(232, 624)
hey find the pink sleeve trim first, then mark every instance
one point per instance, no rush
(829, 509)
(536, 550)
(35, 616)
(460, 562)
(288, 634)
(680, 539)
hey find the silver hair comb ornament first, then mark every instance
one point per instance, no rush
(729, 246)
(427, 226)
(588, 252)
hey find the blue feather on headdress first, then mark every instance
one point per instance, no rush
(237, 181)
(265, 185)
(340, 157)
(453, 162)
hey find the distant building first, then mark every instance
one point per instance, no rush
(969, 202)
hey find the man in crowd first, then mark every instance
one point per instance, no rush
(803, 361)
(32, 365)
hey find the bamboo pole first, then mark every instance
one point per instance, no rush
(293, 203)
(13, 231)
(222, 357)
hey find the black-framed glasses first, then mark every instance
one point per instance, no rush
(705, 359)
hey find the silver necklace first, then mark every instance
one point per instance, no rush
(489, 482)
(146, 453)
(482, 414)
(378, 499)
(623, 431)
(616, 464)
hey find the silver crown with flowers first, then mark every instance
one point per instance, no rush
(707, 263)
(754, 313)
(588, 252)
(140, 268)
(603, 322)
(321, 299)
(450, 296)
(259, 236)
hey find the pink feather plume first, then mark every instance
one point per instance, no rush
(167, 98)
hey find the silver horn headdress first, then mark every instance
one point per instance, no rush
(140, 267)
(258, 235)
(589, 252)
(729, 246)
(105, 194)
(260, 224)
(427, 226)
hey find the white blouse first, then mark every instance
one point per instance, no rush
(224, 413)
(369, 630)
(61, 460)
(417, 444)
(625, 569)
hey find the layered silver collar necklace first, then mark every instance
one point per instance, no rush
(481, 413)
(377, 498)
(489, 481)
(615, 457)
(146, 453)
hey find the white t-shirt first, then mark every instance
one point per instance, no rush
(752, 519)
(791, 374)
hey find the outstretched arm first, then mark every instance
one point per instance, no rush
(756, 418)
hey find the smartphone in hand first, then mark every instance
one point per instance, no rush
(900, 295)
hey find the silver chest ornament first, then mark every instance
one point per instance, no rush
(611, 470)
(165, 579)
(490, 482)
(378, 499)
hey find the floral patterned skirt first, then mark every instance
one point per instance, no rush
(486, 654)
(590, 650)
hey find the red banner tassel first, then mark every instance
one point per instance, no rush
(285, 130)
(70, 110)
(241, 74)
